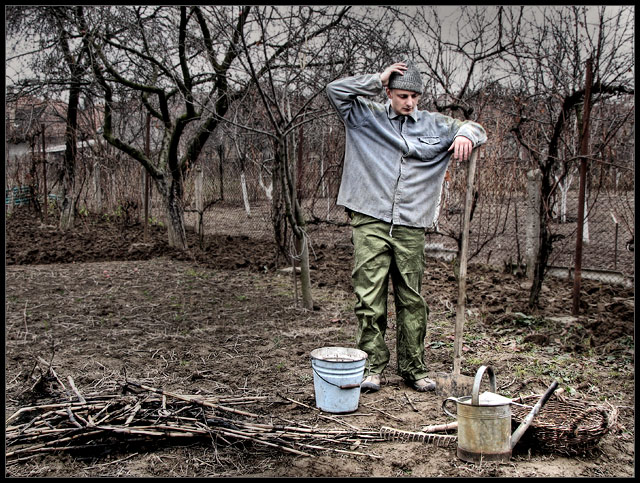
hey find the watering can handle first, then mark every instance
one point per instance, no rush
(444, 404)
(475, 397)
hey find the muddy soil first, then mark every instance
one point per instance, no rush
(104, 305)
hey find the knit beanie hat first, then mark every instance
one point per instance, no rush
(410, 81)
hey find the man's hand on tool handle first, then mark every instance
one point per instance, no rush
(461, 148)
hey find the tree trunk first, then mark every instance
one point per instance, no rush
(175, 230)
(97, 187)
(175, 225)
(277, 206)
(67, 174)
(297, 224)
(172, 196)
(221, 169)
(286, 211)
(302, 247)
(245, 194)
(545, 241)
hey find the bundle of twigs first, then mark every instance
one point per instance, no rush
(145, 412)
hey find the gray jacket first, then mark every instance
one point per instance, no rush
(393, 172)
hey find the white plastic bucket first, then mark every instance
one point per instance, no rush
(337, 374)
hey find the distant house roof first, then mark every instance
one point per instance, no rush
(59, 148)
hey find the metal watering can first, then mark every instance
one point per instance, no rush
(484, 421)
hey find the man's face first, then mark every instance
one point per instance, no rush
(403, 102)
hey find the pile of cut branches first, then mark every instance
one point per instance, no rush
(135, 412)
(142, 412)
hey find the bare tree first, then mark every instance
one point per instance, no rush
(176, 61)
(548, 70)
(301, 49)
(458, 49)
(536, 57)
(60, 61)
(289, 31)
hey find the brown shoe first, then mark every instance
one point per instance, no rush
(371, 383)
(424, 385)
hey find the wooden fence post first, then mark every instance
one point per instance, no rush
(584, 151)
(534, 178)
(45, 202)
(199, 201)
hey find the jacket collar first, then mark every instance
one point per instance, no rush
(392, 114)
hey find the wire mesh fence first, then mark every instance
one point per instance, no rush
(236, 197)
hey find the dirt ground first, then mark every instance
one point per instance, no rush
(103, 306)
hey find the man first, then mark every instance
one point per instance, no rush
(395, 160)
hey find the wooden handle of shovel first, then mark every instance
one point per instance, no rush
(462, 278)
(524, 425)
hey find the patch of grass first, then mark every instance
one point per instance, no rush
(277, 341)
(474, 362)
(192, 272)
(305, 378)
(155, 221)
(529, 321)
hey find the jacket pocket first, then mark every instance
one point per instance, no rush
(428, 147)
(429, 140)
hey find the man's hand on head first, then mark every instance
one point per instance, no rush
(398, 67)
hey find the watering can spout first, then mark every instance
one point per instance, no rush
(524, 425)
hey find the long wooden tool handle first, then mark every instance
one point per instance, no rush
(524, 425)
(462, 278)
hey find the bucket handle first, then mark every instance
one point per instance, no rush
(475, 397)
(344, 386)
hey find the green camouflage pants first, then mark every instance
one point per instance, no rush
(379, 254)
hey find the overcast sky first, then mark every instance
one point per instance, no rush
(15, 67)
